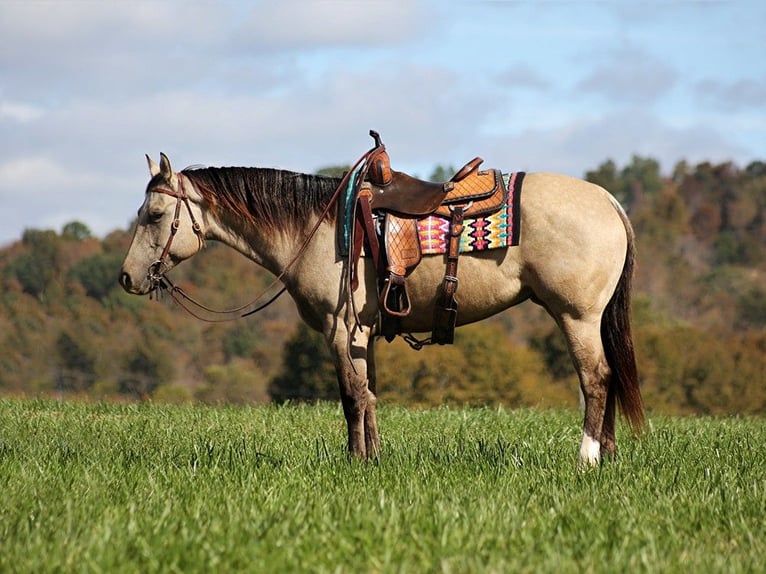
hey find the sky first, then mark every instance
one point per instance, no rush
(87, 87)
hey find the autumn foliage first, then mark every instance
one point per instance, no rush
(699, 313)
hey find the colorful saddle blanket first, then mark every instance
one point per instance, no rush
(497, 230)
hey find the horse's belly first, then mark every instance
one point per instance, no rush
(488, 282)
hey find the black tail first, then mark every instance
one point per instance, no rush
(618, 341)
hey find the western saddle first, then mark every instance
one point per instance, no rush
(388, 205)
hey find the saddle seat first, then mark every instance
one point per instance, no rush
(397, 192)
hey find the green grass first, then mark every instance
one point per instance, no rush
(129, 488)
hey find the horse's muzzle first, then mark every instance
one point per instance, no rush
(136, 288)
(126, 281)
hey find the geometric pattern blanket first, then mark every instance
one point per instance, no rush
(500, 229)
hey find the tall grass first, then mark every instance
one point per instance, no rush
(129, 488)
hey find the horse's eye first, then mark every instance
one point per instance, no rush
(154, 217)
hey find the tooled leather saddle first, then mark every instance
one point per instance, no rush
(388, 204)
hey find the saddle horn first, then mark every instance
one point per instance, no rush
(379, 171)
(376, 136)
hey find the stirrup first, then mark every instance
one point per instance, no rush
(394, 299)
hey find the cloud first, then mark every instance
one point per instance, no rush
(523, 76)
(88, 87)
(41, 192)
(19, 112)
(420, 109)
(40, 176)
(56, 51)
(322, 23)
(630, 75)
(745, 93)
(575, 147)
(75, 156)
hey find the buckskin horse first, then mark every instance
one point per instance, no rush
(575, 258)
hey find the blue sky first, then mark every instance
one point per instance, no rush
(88, 87)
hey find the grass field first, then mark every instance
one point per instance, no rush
(149, 488)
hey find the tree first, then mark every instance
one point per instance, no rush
(143, 372)
(552, 346)
(76, 371)
(308, 373)
(76, 231)
(640, 178)
(756, 169)
(607, 177)
(31, 273)
(36, 269)
(727, 249)
(482, 367)
(240, 340)
(333, 170)
(98, 274)
(630, 185)
(751, 307)
(442, 173)
(234, 383)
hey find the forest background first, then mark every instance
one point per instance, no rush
(699, 317)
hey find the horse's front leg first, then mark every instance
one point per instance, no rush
(356, 393)
(371, 437)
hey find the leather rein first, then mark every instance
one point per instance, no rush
(156, 271)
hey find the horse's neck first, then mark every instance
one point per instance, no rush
(273, 250)
(276, 241)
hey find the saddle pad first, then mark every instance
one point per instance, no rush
(500, 229)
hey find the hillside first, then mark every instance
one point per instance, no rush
(699, 317)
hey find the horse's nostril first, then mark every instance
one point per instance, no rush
(125, 281)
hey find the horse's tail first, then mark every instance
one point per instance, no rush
(618, 341)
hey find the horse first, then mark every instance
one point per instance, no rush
(575, 259)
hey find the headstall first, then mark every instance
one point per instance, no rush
(156, 271)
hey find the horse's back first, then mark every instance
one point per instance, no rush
(579, 209)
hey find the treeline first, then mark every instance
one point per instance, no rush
(67, 328)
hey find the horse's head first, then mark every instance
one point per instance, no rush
(167, 229)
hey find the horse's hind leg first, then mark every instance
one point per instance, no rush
(608, 430)
(585, 345)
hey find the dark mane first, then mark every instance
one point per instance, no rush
(264, 196)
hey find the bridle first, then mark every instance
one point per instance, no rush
(156, 271)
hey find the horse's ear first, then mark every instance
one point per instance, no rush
(154, 169)
(165, 168)
(167, 171)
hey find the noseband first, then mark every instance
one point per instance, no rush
(156, 271)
